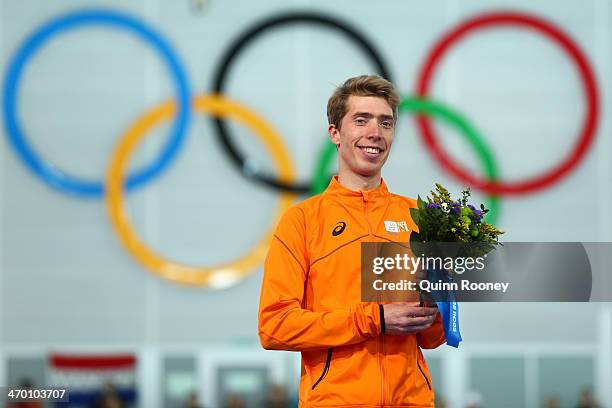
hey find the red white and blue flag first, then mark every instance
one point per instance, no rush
(86, 377)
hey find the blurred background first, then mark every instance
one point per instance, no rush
(77, 308)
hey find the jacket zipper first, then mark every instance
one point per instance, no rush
(382, 370)
(326, 369)
(422, 372)
(381, 344)
(365, 211)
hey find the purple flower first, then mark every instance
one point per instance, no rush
(455, 208)
(433, 205)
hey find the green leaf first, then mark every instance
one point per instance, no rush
(420, 203)
(416, 217)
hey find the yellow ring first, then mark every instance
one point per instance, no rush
(214, 276)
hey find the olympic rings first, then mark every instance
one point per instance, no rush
(222, 275)
(434, 109)
(548, 30)
(221, 72)
(217, 276)
(48, 172)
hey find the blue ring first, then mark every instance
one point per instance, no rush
(47, 171)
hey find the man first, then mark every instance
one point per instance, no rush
(354, 354)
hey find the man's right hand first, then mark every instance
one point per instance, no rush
(409, 317)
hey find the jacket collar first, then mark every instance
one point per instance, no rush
(337, 189)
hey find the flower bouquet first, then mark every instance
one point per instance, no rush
(449, 230)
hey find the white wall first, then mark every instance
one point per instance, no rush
(65, 279)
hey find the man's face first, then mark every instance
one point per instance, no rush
(365, 135)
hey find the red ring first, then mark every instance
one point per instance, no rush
(587, 132)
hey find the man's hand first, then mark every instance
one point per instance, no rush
(409, 317)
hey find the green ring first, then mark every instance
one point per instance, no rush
(321, 177)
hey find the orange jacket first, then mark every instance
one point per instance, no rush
(311, 302)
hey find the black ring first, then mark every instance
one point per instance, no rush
(223, 134)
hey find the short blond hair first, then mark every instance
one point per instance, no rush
(364, 85)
